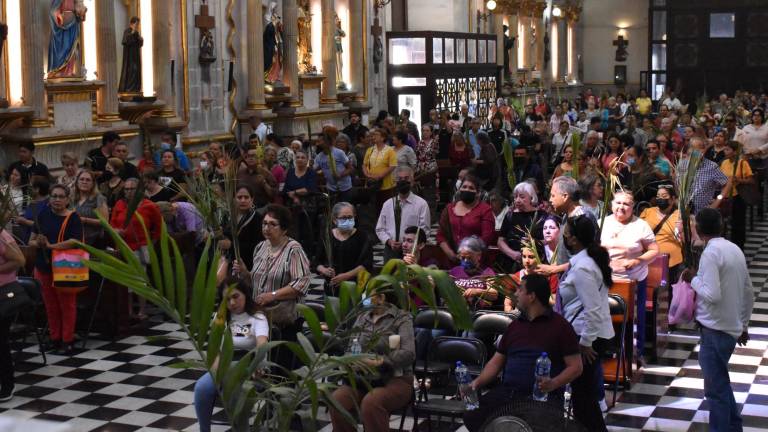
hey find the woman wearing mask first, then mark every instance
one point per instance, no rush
(57, 228)
(739, 173)
(466, 217)
(351, 250)
(460, 153)
(663, 221)
(582, 299)
(632, 247)
(638, 175)
(385, 331)
(470, 275)
(112, 189)
(515, 227)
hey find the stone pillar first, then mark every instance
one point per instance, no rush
(255, 56)
(563, 53)
(538, 48)
(329, 52)
(512, 20)
(107, 61)
(572, 17)
(33, 48)
(291, 41)
(498, 29)
(356, 55)
(162, 13)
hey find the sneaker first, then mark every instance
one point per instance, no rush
(603, 406)
(6, 394)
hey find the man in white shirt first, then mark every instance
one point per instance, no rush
(413, 209)
(258, 127)
(672, 102)
(724, 301)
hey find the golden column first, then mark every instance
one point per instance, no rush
(356, 55)
(538, 24)
(572, 13)
(33, 47)
(255, 56)
(290, 41)
(329, 52)
(106, 48)
(162, 13)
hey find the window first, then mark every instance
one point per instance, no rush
(448, 50)
(659, 57)
(407, 51)
(481, 46)
(472, 51)
(722, 25)
(460, 50)
(437, 50)
(659, 25)
(491, 51)
(409, 82)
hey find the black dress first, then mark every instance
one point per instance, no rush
(514, 229)
(130, 76)
(355, 251)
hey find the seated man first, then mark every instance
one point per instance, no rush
(537, 330)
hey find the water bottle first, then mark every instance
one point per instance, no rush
(543, 366)
(567, 399)
(355, 348)
(468, 394)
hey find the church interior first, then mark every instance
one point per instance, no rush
(567, 81)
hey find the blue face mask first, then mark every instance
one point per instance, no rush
(345, 224)
(631, 161)
(367, 302)
(165, 145)
(467, 264)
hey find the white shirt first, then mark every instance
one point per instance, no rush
(500, 218)
(261, 131)
(559, 142)
(672, 104)
(627, 242)
(246, 328)
(724, 293)
(414, 211)
(753, 138)
(582, 289)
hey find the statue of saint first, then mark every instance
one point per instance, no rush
(64, 49)
(130, 76)
(305, 38)
(338, 35)
(206, 47)
(273, 46)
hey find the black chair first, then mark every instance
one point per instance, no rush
(31, 319)
(618, 310)
(91, 309)
(427, 320)
(449, 349)
(488, 326)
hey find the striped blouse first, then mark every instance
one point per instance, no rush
(290, 267)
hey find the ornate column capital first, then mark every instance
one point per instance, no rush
(572, 11)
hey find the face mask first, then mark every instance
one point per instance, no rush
(345, 224)
(404, 187)
(458, 184)
(204, 165)
(696, 153)
(467, 264)
(631, 161)
(467, 197)
(165, 146)
(367, 302)
(662, 203)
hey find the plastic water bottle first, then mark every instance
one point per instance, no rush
(543, 366)
(567, 399)
(355, 348)
(468, 394)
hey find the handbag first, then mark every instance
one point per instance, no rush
(68, 265)
(13, 298)
(683, 305)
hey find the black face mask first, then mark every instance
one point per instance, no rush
(662, 203)
(404, 187)
(467, 197)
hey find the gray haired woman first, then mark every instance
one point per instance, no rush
(350, 250)
(471, 275)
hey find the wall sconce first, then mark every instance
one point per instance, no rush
(490, 5)
(557, 12)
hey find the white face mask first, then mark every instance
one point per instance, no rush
(458, 184)
(204, 164)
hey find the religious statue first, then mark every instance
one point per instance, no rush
(621, 48)
(338, 35)
(130, 76)
(305, 38)
(206, 47)
(509, 43)
(64, 49)
(273, 46)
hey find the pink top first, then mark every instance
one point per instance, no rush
(479, 221)
(5, 278)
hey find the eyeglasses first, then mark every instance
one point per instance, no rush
(58, 197)
(270, 224)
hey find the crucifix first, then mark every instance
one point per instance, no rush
(205, 23)
(621, 48)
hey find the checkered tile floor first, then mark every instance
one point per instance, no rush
(126, 385)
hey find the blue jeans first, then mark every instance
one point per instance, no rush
(716, 349)
(205, 397)
(640, 298)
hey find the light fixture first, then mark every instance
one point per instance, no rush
(557, 12)
(490, 5)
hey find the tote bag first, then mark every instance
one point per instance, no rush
(683, 305)
(68, 265)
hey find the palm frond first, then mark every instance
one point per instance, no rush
(685, 183)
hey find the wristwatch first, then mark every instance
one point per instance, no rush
(720, 197)
(274, 293)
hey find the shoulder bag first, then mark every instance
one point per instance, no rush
(68, 265)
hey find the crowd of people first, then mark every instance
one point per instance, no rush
(567, 196)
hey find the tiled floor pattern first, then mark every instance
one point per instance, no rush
(126, 385)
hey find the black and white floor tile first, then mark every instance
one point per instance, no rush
(127, 385)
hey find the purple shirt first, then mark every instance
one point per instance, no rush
(189, 219)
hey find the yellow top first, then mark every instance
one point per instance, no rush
(379, 161)
(743, 171)
(643, 105)
(665, 238)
